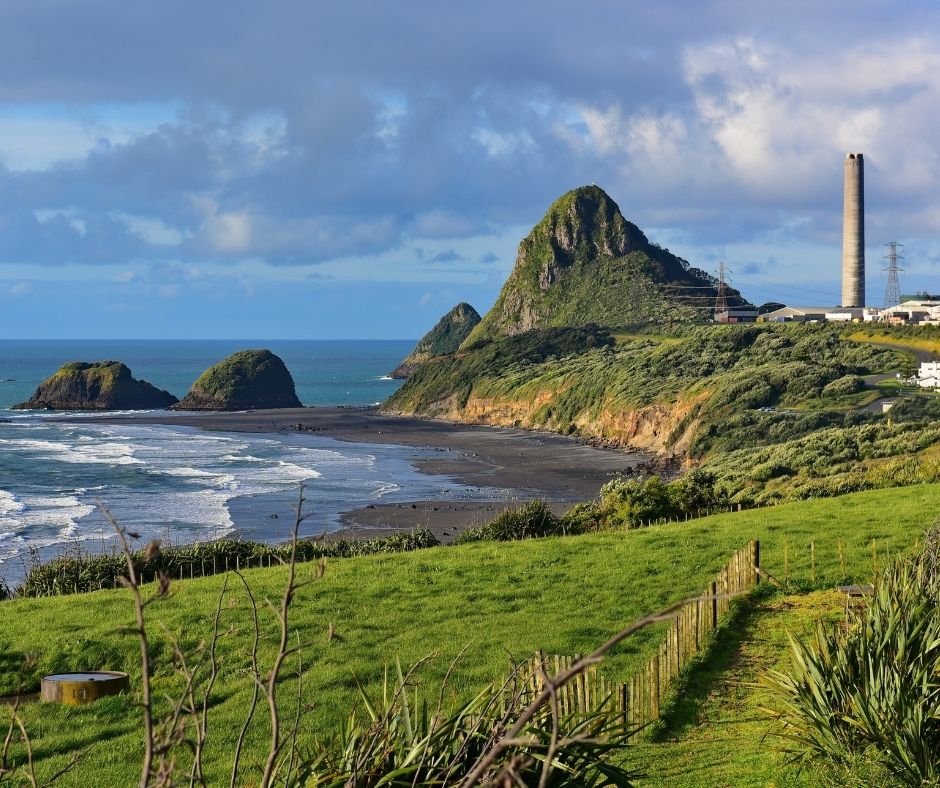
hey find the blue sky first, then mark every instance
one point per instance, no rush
(299, 169)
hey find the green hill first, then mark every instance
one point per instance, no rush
(584, 263)
(564, 595)
(446, 336)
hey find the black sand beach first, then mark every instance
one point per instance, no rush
(555, 468)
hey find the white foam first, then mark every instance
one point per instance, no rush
(90, 454)
(59, 512)
(9, 503)
(385, 488)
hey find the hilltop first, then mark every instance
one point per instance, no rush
(585, 263)
(446, 336)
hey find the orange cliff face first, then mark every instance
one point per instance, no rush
(650, 428)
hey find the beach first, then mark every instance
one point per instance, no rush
(558, 469)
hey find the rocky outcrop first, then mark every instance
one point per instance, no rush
(585, 263)
(101, 385)
(450, 331)
(247, 380)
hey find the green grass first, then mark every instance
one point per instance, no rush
(897, 339)
(717, 732)
(563, 595)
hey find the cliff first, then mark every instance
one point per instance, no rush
(247, 380)
(446, 336)
(101, 385)
(585, 263)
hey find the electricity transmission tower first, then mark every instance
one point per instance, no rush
(721, 297)
(893, 290)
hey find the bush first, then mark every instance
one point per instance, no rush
(82, 573)
(847, 384)
(529, 521)
(872, 691)
(400, 743)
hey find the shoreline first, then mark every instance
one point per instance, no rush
(559, 469)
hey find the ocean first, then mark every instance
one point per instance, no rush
(179, 484)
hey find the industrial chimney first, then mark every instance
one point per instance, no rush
(853, 232)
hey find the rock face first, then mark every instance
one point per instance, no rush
(247, 380)
(102, 385)
(584, 263)
(450, 331)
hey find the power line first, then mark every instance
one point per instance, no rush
(893, 289)
(721, 297)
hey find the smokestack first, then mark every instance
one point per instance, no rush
(853, 232)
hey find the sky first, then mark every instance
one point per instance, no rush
(308, 169)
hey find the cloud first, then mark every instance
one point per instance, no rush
(449, 256)
(302, 134)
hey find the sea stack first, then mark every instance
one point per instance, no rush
(247, 380)
(444, 339)
(853, 231)
(99, 385)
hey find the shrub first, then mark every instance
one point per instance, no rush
(847, 384)
(81, 573)
(872, 691)
(403, 743)
(529, 521)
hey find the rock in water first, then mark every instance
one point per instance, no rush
(102, 385)
(247, 380)
(584, 263)
(450, 331)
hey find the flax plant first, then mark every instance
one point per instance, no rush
(871, 690)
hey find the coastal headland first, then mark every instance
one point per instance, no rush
(558, 469)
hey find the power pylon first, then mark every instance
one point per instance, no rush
(721, 297)
(893, 290)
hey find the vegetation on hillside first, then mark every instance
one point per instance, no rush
(584, 263)
(771, 412)
(99, 385)
(246, 379)
(446, 337)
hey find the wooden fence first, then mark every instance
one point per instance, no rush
(637, 702)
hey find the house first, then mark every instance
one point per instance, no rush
(928, 376)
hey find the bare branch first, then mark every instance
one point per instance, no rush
(489, 755)
(139, 605)
(240, 742)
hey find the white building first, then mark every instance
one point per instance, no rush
(913, 312)
(928, 376)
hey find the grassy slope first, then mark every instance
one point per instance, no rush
(900, 338)
(562, 595)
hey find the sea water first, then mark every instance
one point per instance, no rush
(179, 484)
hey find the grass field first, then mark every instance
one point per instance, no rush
(895, 339)
(563, 595)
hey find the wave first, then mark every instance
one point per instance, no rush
(385, 488)
(9, 504)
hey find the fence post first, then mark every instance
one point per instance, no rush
(714, 595)
(755, 547)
